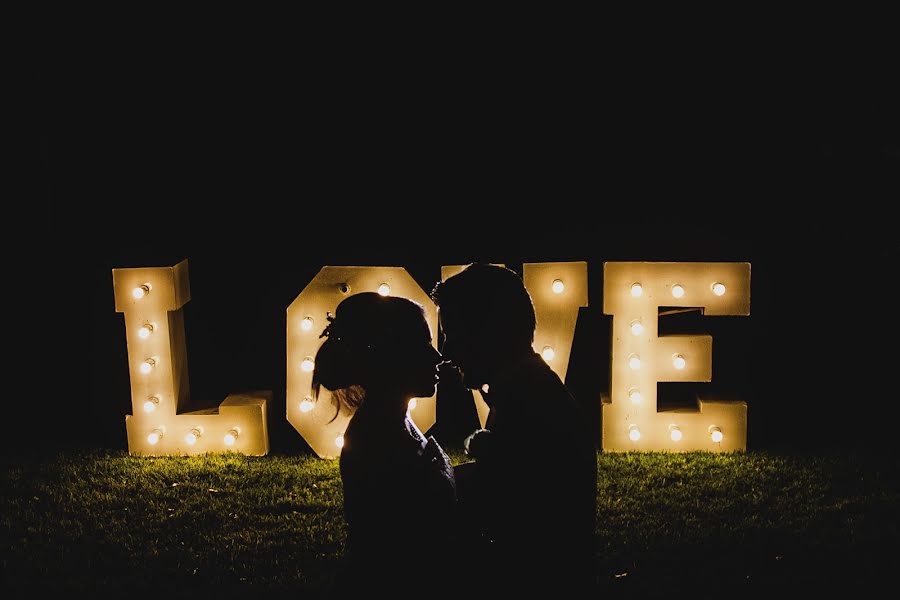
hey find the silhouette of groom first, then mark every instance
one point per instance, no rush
(528, 499)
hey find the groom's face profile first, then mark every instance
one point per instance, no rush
(464, 349)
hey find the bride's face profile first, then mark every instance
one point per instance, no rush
(410, 366)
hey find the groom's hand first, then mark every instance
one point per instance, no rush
(478, 444)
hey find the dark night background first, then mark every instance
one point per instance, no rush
(259, 179)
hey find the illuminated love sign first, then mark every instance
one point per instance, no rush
(152, 298)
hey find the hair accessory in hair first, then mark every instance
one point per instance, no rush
(329, 330)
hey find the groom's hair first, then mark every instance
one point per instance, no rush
(489, 298)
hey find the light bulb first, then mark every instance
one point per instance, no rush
(412, 404)
(145, 331)
(192, 436)
(558, 286)
(636, 327)
(634, 395)
(384, 289)
(675, 433)
(154, 436)
(231, 437)
(636, 290)
(486, 388)
(141, 291)
(148, 365)
(634, 434)
(718, 289)
(307, 324)
(634, 362)
(678, 361)
(715, 434)
(677, 291)
(308, 364)
(339, 441)
(548, 353)
(150, 404)
(307, 405)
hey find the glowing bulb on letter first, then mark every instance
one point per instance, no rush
(635, 396)
(339, 441)
(384, 289)
(307, 405)
(150, 404)
(307, 324)
(141, 291)
(154, 436)
(715, 434)
(412, 404)
(634, 434)
(636, 290)
(636, 327)
(675, 433)
(718, 289)
(308, 364)
(145, 330)
(192, 436)
(548, 353)
(148, 365)
(677, 291)
(678, 361)
(634, 362)
(558, 286)
(231, 437)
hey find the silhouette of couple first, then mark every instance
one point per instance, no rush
(519, 515)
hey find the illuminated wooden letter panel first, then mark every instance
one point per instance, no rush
(152, 299)
(557, 290)
(306, 318)
(632, 294)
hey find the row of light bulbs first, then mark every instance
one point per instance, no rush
(675, 433)
(678, 361)
(193, 435)
(718, 288)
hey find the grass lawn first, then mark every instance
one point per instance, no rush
(693, 524)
